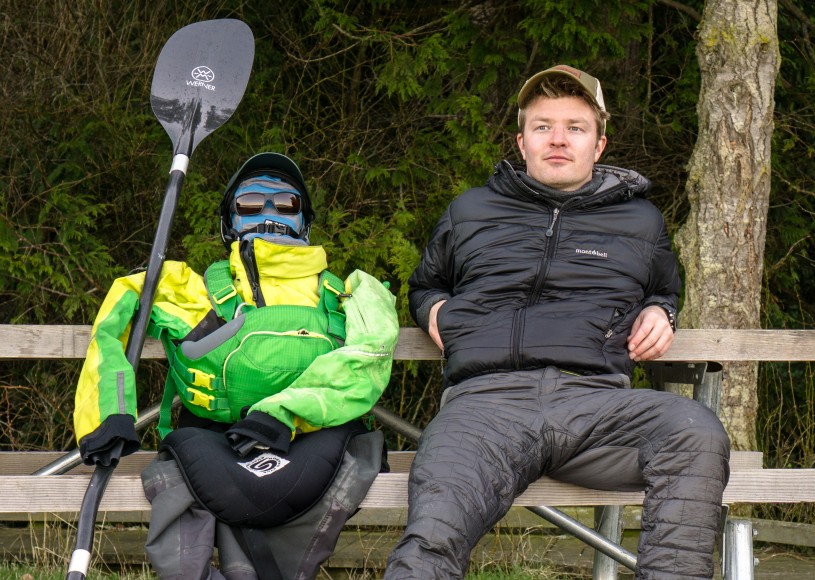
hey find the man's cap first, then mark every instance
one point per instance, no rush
(590, 85)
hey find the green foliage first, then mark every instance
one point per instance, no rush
(391, 108)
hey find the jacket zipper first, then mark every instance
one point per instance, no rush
(247, 252)
(616, 316)
(534, 294)
(546, 260)
(550, 232)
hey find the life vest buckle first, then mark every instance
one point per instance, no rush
(199, 399)
(201, 379)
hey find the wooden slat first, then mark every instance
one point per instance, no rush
(63, 494)
(27, 462)
(32, 341)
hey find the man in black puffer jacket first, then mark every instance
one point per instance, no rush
(543, 288)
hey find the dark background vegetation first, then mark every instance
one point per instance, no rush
(391, 108)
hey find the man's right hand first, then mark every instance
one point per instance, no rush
(114, 438)
(433, 327)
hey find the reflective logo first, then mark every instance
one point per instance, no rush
(265, 464)
(597, 253)
(203, 74)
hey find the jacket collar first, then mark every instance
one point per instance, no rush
(281, 272)
(617, 185)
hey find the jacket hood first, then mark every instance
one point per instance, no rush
(617, 185)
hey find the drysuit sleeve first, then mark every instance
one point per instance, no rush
(107, 384)
(344, 384)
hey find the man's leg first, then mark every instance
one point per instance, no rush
(672, 446)
(473, 458)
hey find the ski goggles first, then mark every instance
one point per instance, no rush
(253, 202)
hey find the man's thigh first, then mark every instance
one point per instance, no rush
(603, 438)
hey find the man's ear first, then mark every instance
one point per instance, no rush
(598, 149)
(519, 139)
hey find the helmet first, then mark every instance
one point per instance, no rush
(267, 168)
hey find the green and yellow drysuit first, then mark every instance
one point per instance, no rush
(339, 385)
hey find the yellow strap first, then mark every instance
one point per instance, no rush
(200, 399)
(201, 379)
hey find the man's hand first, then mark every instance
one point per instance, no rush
(651, 334)
(432, 327)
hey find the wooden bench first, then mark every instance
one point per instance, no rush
(23, 493)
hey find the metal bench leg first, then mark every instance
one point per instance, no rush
(738, 550)
(709, 391)
(587, 535)
(608, 521)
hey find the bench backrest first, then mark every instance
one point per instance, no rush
(34, 341)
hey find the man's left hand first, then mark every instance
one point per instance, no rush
(651, 334)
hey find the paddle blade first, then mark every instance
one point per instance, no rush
(200, 78)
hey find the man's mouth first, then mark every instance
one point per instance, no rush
(557, 158)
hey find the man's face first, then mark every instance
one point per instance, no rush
(559, 142)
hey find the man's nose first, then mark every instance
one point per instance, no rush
(558, 136)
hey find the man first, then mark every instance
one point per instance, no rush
(543, 288)
(274, 359)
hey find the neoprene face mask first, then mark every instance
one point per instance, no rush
(267, 206)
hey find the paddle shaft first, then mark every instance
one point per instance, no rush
(189, 110)
(138, 329)
(86, 524)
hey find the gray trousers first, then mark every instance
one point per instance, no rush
(183, 535)
(497, 433)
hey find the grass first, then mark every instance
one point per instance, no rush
(29, 572)
(32, 572)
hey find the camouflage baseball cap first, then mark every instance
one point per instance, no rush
(589, 84)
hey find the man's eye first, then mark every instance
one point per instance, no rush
(576, 129)
(542, 128)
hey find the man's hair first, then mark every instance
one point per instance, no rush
(558, 86)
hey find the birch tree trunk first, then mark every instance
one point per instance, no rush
(721, 245)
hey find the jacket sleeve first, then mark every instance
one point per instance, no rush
(664, 283)
(107, 384)
(432, 280)
(345, 383)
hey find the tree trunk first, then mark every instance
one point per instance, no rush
(721, 245)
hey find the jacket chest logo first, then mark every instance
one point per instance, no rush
(597, 253)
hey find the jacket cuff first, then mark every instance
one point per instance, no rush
(423, 312)
(100, 446)
(670, 310)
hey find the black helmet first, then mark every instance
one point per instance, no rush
(273, 164)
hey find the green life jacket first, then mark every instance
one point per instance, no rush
(257, 353)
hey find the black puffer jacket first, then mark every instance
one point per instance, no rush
(529, 285)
